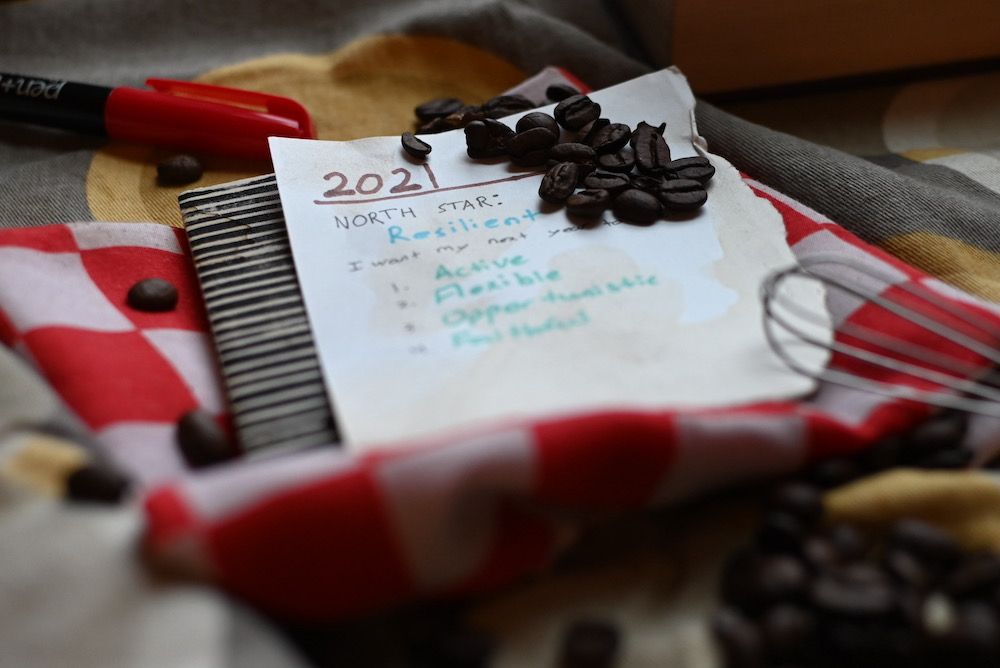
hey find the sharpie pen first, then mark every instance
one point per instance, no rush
(180, 114)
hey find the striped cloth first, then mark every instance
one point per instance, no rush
(340, 534)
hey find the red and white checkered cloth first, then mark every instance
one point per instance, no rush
(324, 533)
(128, 374)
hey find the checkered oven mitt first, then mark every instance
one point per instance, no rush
(326, 533)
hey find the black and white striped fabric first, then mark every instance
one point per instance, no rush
(269, 363)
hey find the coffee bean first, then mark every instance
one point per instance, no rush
(613, 183)
(437, 108)
(96, 484)
(559, 182)
(976, 635)
(152, 294)
(576, 111)
(976, 574)
(531, 158)
(849, 543)
(924, 541)
(559, 92)
(611, 138)
(842, 596)
(780, 532)
(788, 632)
(178, 170)
(487, 138)
(682, 200)
(908, 570)
(696, 168)
(650, 184)
(572, 152)
(943, 431)
(535, 139)
(739, 639)
(589, 203)
(636, 206)
(586, 134)
(800, 500)
(443, 124)
(202, 441)
(680, 185)
(589, 644)
(538, 119)
(883, 455)
(505, 105)
(651, 152)
(460, 118)
(621, 162)
(778, 578)
(834, 472)
(415, 147)
(952, 458)
(819, 554)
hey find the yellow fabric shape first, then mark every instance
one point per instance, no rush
(964, 503)
(366, 88)
(970, 268)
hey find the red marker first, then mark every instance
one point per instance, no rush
(180, 114)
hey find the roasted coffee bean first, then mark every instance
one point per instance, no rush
(641, 133)
(535, 139)
(952, 458)
(834, 472)
(842, 596)
(621, 162)
(461, 118)
(415, 147)
(487, 138)
(780, 532)
(976, 635)
(778, 578)
(613, 183)
(572, 152)
(559, 92)
(788, 632)
(819, 554)
(611, 138)
(576, 111)
(925, 541)
(96, 484)
(202, 441)
(443, 124)
(976, 574)
(586, 134)
(178, 170)
(152, 294)
(636, 206)
(940, 432)
(650, 184)
(589, 643)
(800, 500)
(559, 182)
(651, 154)
(538, 119)
(739, 639)
(589, 203)
(437, 108)
(883, 455)
(908, 570)
(531, 158)
(680, 185)
(505, 105)
(682, 200)
(696, 168)
(847, 541)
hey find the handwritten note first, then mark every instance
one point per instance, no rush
(444, 294)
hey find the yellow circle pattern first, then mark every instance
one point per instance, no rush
(366, 88)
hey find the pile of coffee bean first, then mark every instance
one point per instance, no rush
(592, 164)
(809, 593)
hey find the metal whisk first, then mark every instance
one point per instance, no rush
(893, 335)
